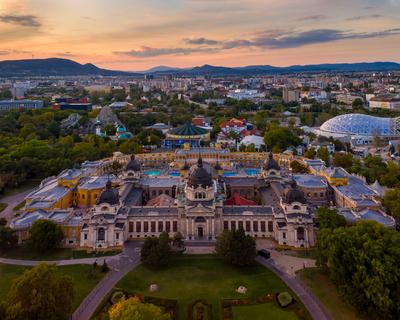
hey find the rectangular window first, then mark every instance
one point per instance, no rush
(284, 235)
(226, 225)
(138, 227)
(175, 226)
(168, 226)
(248, 226)
(270, 226)
(263, 226)
(160, 226)
(146, 226)
(130, 226)
(153, 226)
(255, 226)
(85, 236)
(233, 225)
(83, 196)
(117, 235)
(240, 225)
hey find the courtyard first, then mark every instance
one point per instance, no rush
(194, 277)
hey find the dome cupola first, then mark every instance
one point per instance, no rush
(293, 194)
(200, 176)
(133, 164)
(109, 195)
(271, 164)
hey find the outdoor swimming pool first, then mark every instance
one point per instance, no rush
(229, 174)
(174, 174)
(252, 172)
(152, 173)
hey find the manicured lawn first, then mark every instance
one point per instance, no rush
(83, 284)
(193, 277)
(262, 312)
(25, 253)
(319, 283)
(23, 187)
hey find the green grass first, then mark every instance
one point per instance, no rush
(262, 312)
(23, 187)
(79, 274)
(319, 283)
(19, 206)
(25, 253)
(189, 278)
(3, 206)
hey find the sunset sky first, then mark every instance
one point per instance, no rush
(139, 34)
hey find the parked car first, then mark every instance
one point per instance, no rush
(264, 253)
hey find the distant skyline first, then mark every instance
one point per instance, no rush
(137, 35)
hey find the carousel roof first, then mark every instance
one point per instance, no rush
(188, 129)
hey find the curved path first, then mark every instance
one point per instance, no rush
(312, 304)
(120, 265)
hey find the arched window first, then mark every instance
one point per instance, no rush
(300, 233)
(101, 234)
(296, 207)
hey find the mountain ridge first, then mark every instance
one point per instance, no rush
(66, 67)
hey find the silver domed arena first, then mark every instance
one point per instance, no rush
(356, 124)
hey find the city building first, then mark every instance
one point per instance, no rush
(7, 105)
(385, 103)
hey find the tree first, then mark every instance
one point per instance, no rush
(45, 235)
(357, 103)
(362, 261)
(236, 248)
(40, 293)
(8, 238)
(133, 309)
(344, 160)
(310, 153)
(329, 218)
(392, 203)
(156, 252)
(280, 137)
(323, 154)
(298, 167)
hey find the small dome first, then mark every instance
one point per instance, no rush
(133, 164)
(200, 176)
(109, 195)
(292, 194)
(271, 163)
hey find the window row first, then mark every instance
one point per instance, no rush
(249, 226)
(153, 226)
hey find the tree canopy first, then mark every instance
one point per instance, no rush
(363, 263)
(40, 294)
(329, 218)
(236, 248)
(155, 251)
(133, 309)
(45, 235)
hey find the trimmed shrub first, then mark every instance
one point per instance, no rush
(116, 296)
(284, 299)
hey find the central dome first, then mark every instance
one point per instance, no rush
(271, 163)
(133, 164)
(109, 195)
(200, 176)
(292, 194)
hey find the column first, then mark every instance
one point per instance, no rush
(187, 227)
(207, 227)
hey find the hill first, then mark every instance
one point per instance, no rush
(53, 67)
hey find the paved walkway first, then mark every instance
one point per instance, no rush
(129, 259)
(314, 307)
(12, 201)
(67, 262)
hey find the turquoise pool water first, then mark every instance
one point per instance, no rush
(229, 174)
(252, 172)
(152, 173)
(174, 174)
